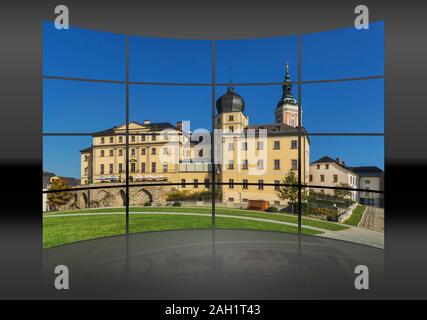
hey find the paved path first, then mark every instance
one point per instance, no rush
(352, 234)
(357, 235)
(373, 219)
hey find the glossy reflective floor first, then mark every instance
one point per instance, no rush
(208, 264)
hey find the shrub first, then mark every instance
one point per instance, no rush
(176, 204)
(332, 217)
(147, 204)
(190, 196)
(272, 209)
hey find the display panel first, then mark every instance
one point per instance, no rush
(152, 133)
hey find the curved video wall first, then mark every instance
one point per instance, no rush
(282, 134)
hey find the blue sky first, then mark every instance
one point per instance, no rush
(73, 106)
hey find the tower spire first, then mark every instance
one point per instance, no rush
(287, 76)
(287, 108)
(287, 86)
(230, 88)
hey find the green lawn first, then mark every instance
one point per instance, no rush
(68, 229)
(224, 211)
(355, 217)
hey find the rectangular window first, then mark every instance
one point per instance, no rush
(245, 165)
(260, 145)
(294, 164)
(276, 185)
(183, 183)
(165, 167)
(132, 152)
(245, 146)
(102, 169)
(154, 137)
(165, 151)
(132, 167)
(318, 167)
(231, 129)
(111, 139)
(322, 178)
(260, 184)
(102, 153)
(367, 181)
(207, 182)
(153, 150)
(132, 138)
(111, 152)
(120, 139)
(260, 164)
(196, 183)
(231, 183)
(245, 200)
(120, 167)
(311, 178)
(230, 118)
(294, 144)
(327, 166)
(143, 137)
(245, 184)
(102, 140)
(276, 145)
(276, 164)
(111, 168)
(335, 178)
(230, 165)
(230, 199)
(143, 152)
(143, 167)
(120, 152)
(153, 167)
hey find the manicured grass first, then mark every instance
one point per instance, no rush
(355, 217)
(68, 229)
(225, 211)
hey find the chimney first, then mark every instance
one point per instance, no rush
(338, 159)
(179, 125)
(147, 121)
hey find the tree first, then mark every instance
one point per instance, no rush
(290, 192)
(57, 199)
(341, 193)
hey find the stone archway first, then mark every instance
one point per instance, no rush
(85, 200)
(123, 197)
(149, 195)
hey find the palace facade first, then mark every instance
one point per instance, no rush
(249, 154)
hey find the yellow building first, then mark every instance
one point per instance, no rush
(244, 153)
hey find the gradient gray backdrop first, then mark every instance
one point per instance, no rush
(405, 110)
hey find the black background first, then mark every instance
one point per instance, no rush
(405, 111)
